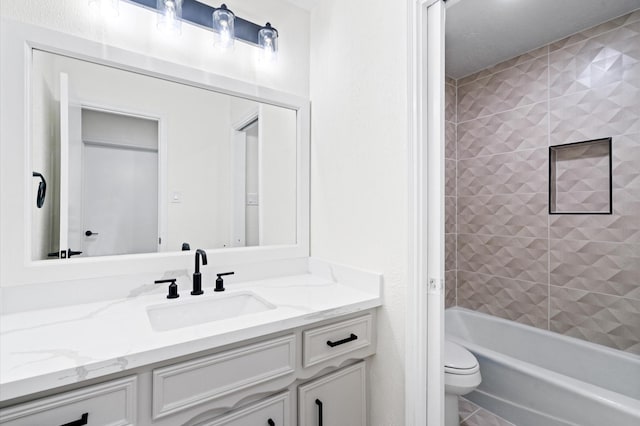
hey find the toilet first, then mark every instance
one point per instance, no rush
(461, 376)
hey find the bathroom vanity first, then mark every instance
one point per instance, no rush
(112, 362)
(86, 337)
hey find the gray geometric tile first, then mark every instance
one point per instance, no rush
(466, 408)
(517, 215)
(610, 110)
(450, 140)
(520, 128)
(509, 173)
(608, 320)
(450, 103)
(483, 417)
(522, 84)
(509, 257)
(450, 176)
(610, 268)
(596, 30)
(596, 62)
(449, 252)
(523, 301)
(619, 227)
(450, 215)
(626, 157)
(449, 289)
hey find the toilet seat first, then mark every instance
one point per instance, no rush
(458, 360)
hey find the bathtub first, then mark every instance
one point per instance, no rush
(535, 377)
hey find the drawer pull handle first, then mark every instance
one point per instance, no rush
(80, 422)
(343, 341)
(271, 422)
(319, 404)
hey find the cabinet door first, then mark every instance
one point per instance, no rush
(337, 399)
(273, 411)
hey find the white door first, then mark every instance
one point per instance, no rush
(424, 386)
(120, 200)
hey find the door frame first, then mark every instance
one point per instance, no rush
(162, 158)
(238, 170)
(424, 378)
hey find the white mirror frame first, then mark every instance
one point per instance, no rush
(16, 267)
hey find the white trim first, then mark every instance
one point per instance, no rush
(16, 267)
(424, 384)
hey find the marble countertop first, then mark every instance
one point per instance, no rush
(47, 348)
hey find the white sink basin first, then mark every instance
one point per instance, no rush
(202, 309)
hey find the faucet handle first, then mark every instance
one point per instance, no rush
(220, 282)
(173, 287)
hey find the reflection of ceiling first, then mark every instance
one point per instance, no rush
(480, 33)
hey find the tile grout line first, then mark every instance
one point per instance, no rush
(548, 199)
(471, 415)
(480, 117)
(455, 145)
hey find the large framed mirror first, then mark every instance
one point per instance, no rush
(130, 162)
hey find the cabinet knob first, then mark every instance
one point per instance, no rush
(270, 422)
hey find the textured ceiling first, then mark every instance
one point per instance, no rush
(481, 33)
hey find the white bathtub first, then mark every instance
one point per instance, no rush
(535, 377)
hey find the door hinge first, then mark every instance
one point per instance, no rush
(435, 286)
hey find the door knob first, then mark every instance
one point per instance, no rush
(89, 233)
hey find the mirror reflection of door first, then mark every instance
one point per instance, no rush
(113, 203)
(246, 185)
(252, 188)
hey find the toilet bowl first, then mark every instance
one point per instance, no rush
(461, 376)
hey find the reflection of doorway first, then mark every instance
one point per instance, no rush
(115, 210)
(252, 208)
(246, 181)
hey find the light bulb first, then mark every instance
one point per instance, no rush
(268, 42)
(170, 16)
(223, 28)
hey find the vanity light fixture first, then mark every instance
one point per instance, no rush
(223, 22)
(268, 42)
(106, 8)
(223, 28)
(170, 16)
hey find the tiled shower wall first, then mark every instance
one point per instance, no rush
(505, 255)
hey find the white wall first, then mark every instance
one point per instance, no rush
(135, 30)
(359, 165)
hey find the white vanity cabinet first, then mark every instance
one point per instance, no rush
(277, 380)
(337, 399)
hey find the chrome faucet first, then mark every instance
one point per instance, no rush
(197, 276)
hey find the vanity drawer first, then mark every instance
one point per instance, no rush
(108, 404)
(327, 342)
(187, 384)
(273, 411)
